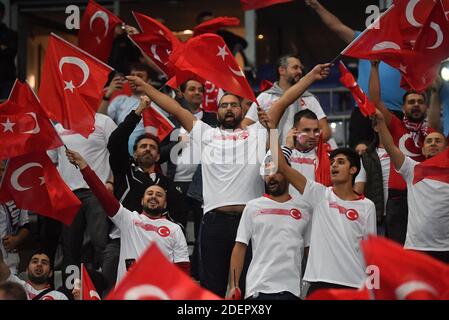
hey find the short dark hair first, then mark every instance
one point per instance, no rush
(183, 86)
(351, 155)
(41, 251)
(306, 113)
(226, 93)
(404, 97)
(146, 135)
(283, 61)
(139, 66)
(13, 291)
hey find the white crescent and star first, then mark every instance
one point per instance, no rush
(409, 13)
(18, 172)
(411, 286)
(440, 36)
(78, 62)
(8, 125)
(146, 290)
(153, 50)
(103, 16)
(36, 128)
(403, 148)
(94, 294)
(223, 53)
(386, 45)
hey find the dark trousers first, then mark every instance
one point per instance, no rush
(217, 240)
(284, 295)
(397, 216)
(325, 285)
(442, 256)
(91, 219)
(111, 256)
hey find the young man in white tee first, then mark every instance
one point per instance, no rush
(427, 192)
(341, 219)
(279, 230)
(230, 155)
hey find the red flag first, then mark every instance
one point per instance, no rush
(213, 25)
(210, 97)
(33, 182)
(157, 123)
(97, 30)
(265, 85)
(157, 41)
(435, 168)
(88, 291)
(431, 47)
(209, 58)
(405, 274)
(347, 79)
(323, 169)
(26, 127)
(258, 4)
(72, 85)
(164, 281)
(340, 294)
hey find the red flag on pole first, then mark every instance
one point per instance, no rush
(258, 4)
(156, 123)
(97, 30)
(72, 85)
(26, 127)
(208, 57)
(88, 291)
(435, 168)
(215, 24)
(367, 108)
(34, 183)
(163, 281)
(323, 169)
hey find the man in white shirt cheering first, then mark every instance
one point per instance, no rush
(427, 192)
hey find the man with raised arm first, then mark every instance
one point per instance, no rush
(231, 155)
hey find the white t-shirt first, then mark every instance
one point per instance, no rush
(93, 150)
(138, 231)
(278, 231)
(338, 226)
(428, 211)
(230, 163)
(266, 100)
(31, 292)
(384, 158)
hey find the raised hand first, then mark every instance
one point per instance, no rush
(76, 159)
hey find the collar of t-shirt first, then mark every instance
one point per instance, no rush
(266, 195)
(359, 196)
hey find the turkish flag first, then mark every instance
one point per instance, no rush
(367, 108)
(26, 127)
(88, 291)
(323, 169)
(33, 182)
(156, 123)
(431, 47)
(265, 85)
(156, 40)
(340, 294)
(405, 274)
(215, 24)
(72, 85)
(258, 4)
(97, 30)
(164, 281)
(208, 57)
(435, 168)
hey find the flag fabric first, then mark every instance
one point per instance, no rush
(323, 169)
(265, 85)
(435, 168)
(259, 4)
(156, 123)
(33, 182)
(210, 97)
(340, 294)
(88, 291)
(26, 127)
(164, 281)
(72, 85)
(367, 108)
(215, 24)
(208, 57)
(97, 30)
(156, 40)
(405, 274)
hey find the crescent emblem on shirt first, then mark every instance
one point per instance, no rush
(295, 214)
(440, 36)
(409, 287)
(163, 231)
(404, 149)
(36, 128)
(146, 292)
(386, 45)
(18, 172)
(78, 62)
(94, 295)
(103, 16)
(352, 214)
(409, 13)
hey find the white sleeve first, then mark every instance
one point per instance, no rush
(180, 250)
(252, 113)
(245, 229)
(53, 155)
(308, 233)
(371, 222)
(123, 219)
(361, 176)
(108, 126)
(314, 193)
(313, 105)
(407, 169)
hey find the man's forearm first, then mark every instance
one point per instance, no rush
(396, 156)
(236, 266)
